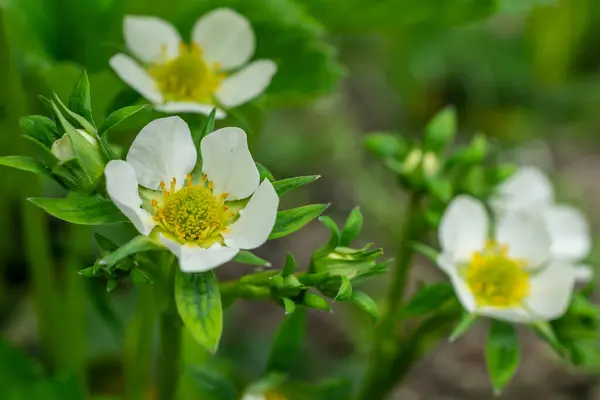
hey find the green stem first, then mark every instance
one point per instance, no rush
(39, 257)
(73, 332)
(138, 345)
(386, 340)
(170, 343)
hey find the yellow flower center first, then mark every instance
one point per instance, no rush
(188, 77)
(495, 279)
(192, 213)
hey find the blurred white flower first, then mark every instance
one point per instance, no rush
(529, 190)
(512, 276)
(212, 70)
(195, 220)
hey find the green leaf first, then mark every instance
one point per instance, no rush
(81, 209)
(71, 174)
(60, 108)
(334, 239)
(429, 299)
(136, 245)
(441, 129)
(105, 243)
(138, 276)
(288, 346)
(440, 188)
(386, 145)
(285, 185)
(289, 221)
(345, 291)
(213, 384)
(199, 305)
(466, 322)
(288, 305)
(502, 353)
(366, 303)
(25, 164)
(90, 272)
(315, 301)
(80, 101)
(471, 155)
(290, 265)
(118, 116)
(546, 332)
(107, 152)
(352, 227)
(264, 172)
(86, 153)
(40, 128)
(425, 250)
(247, 257)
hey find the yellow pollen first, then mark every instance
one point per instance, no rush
(188, 77)
(192, 213)
(495, 279)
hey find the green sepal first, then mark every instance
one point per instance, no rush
(465, 323)
(90, 272)
(199, 305)
(247, 257)
(429, 299)
(140, 277)
(366, 303)
(315, 301)
(208, 127)
(290, 221)
(118, 116)
(264, 172)
(386, 145)
(352, 227)
(288, 305)
(136, 245)
(440, 130)
(105, 243)
(80, 101)
(79, 208)
(502, 353)
(429, 252)
(473, 154)
(40, 128)
(345, 291)
(287, 348)
(334, 239)
(25, 164)
(290, 265)
(285, 185)
(62, 110)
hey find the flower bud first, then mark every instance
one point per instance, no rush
(63, 148)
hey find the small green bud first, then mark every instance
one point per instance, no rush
(440, 130)
(314, 301)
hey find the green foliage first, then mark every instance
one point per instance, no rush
(80, 101)
(83, 209)
(366, 303)
(212, 384)
(352, 227)
(289, 221)
(287, 350)
(246, 257)
(118, 116)
(502, 353)
(466, 322)
(25, 164)
(199, 305)
(440, 130)
(285, 185)
(386, 145)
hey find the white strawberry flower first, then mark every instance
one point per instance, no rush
(198, 212)
(211, 70)
(511, 275)
(529, 190)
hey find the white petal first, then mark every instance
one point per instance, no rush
(148, 37)
(463, 292)
(135, 76)
(569, 231)
(194, 258)
(228, 163)
(550, 291)
(163, 150)
(463, 228)
(526, 236)
(225, 37)
(528, 188)
(256, 221)
(516, 315)
(246, 84)
(186, 107)
(122, 188)
(583, 273)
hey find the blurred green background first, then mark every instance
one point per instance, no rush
(526, 73)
